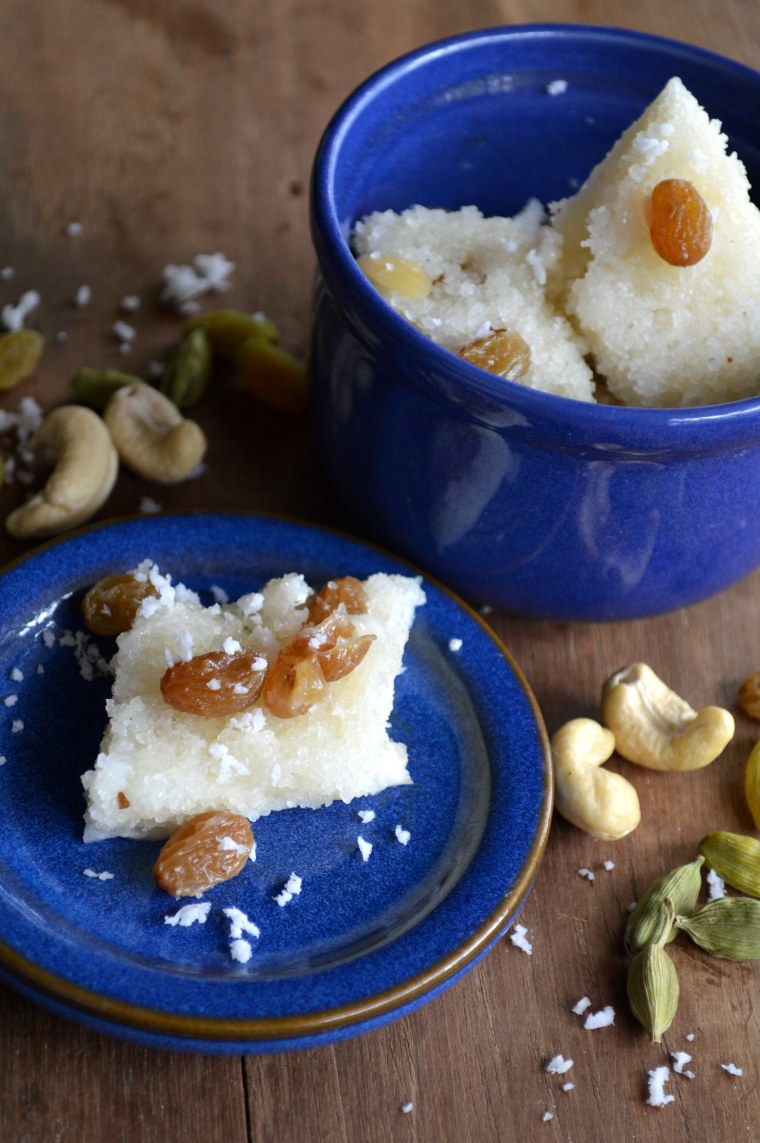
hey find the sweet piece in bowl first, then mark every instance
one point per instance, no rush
(664, 333)
(517, 497)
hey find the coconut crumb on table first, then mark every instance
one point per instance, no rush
(732, 1069)
(407, 1107)
(656, 1096)
(602, 1019)
(581, 1006)
(568, 1087)
(587, 873)
(13, 317)
(558, 1065)
(519, 939)
(680, 1060)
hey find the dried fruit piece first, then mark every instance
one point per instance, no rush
(216, 684)
(503, 352)
(748, 698)
(206, 850)
(228, 329)
(293, 686)
(273, 375)
(680, 223)
(752, 783)
(392, 275)
(20, 351)
(122, 800)
(110, 606)
(188, 370)
(348, 590)
(337, 650)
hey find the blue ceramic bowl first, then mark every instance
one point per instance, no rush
(534, 503)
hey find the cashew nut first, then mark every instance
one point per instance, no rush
(653, 727)
(152, 436)
(86, 464)
(598, 801)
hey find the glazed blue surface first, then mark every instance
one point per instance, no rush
(534, 503)
(364, 942)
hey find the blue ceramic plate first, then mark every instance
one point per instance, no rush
(365, 941)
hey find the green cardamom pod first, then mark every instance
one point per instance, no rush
(728, 927)
(734, 857)
(681, 886)
(95, 387)
(188, 370)
(653, 990)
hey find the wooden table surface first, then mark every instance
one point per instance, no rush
(184, 126)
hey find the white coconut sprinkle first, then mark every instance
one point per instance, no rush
(124, 331)
(10, 700)
(587, 873)
(558, 1065)
(732, 1069)
(680, 1060)
(689, 1036)
(83, 296)
(98, 876)
(520, 941)
(17, 725)
(556, 87)
(231, 646)
(581, 1006)
(218, 594)
(455, 644)
(3, 759)
(74, 229)
(407, 1107)
(149, 506)
(240, 950)
(240, 923)
(402, 835)
(183, 284)
(229, 845)
(366, 816)
(658, 1077)
(291, 889)
(130, 303)
(717, 886)
(16, 675)
(609, 866)
(601, 1019)
(190, 915)
(568, 1087)
(7, 273)
(365, 847)
(13, 317)
(547, 1116)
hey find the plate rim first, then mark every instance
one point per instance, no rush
(330, 1022)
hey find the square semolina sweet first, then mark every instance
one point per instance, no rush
(664, 335)
(168, 765)
(487, 274)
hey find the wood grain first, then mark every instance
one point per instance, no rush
(185, 126)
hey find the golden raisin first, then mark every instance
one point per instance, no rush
(503, 352)
(206, 850)
(216, 684)
(392, 275)
(110, 606)
(748, 698)
(20, 352)
(274, 376)
(348, 590)
(293, 685)
(680, 223)
(333, 643)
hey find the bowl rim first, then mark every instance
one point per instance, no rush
(729, 424)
